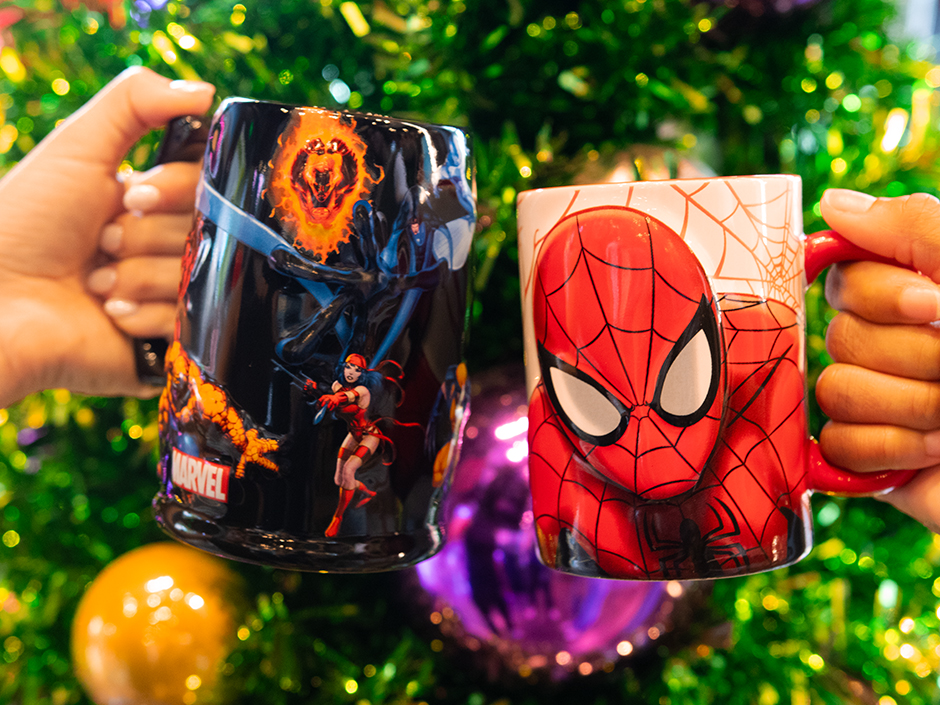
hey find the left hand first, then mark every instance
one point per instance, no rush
(55, 203)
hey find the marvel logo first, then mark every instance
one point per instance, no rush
(199, 476)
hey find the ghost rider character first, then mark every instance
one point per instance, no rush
(363, 398)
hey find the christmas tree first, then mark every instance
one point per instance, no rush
(550, 89)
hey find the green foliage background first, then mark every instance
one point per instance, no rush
(547, 87)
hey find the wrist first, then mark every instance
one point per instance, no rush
(20, 375)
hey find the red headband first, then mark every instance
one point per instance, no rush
(357, 360)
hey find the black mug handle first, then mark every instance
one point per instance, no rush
(184, 141)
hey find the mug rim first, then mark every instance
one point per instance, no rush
(795, 178)
(290, 107)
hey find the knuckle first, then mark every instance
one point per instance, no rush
(925, 407)
(888, 448)
(841, 341)
(919, 215)
(871, 448)
(924, 353)
(902, 449)
(915, 207)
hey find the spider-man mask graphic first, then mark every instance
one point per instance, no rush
(629, 346)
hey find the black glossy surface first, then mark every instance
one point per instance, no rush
(262, 325)
(184, 141)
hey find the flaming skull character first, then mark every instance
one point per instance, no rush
(318, 175)
(667, 430)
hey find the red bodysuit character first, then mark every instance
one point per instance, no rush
(351, 401)
(667, 430)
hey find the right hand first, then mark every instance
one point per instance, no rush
(883, 392)
(331, 401)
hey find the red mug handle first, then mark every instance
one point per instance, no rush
(821, 250)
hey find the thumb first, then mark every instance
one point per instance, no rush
(122, 112)
(905, 229)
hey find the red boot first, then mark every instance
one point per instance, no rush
(368, 494)
(345, 497)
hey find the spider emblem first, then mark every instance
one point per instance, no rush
(705, 551)
(667, 428)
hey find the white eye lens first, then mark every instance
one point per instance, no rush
(686, 385)
(584, 406)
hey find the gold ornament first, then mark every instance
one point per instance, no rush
(154, 627)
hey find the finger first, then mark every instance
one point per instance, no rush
(902, 351)
(906, 228)
(877, 447)
(137, 279)
(857, 395)
(131, 105)
(882, 293)
(152, 234)
(920, 498)
(169, 188)
(113, 385)
(142, 320)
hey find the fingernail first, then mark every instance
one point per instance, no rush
(846, 200)
(920, 304)
(141, 197)
(117, 308)
(131, 178)
(932, 444)
(112, 235)
(101, 281)
(192, 86)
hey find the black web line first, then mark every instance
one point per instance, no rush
(600, 306)
(743, 462)
(567, 278)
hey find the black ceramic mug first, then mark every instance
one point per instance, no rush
(315, 390)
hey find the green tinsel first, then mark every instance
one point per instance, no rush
(546, 86)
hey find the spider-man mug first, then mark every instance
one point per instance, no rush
(315, 391)
(665, 361)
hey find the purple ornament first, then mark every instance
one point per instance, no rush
(487, 590)
(141, 9)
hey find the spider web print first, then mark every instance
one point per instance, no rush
(746, 232)
(745, 513)
(745, 235)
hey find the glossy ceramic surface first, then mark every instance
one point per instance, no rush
(315, 394)
(665, 345)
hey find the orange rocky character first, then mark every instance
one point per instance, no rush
(209, 401)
